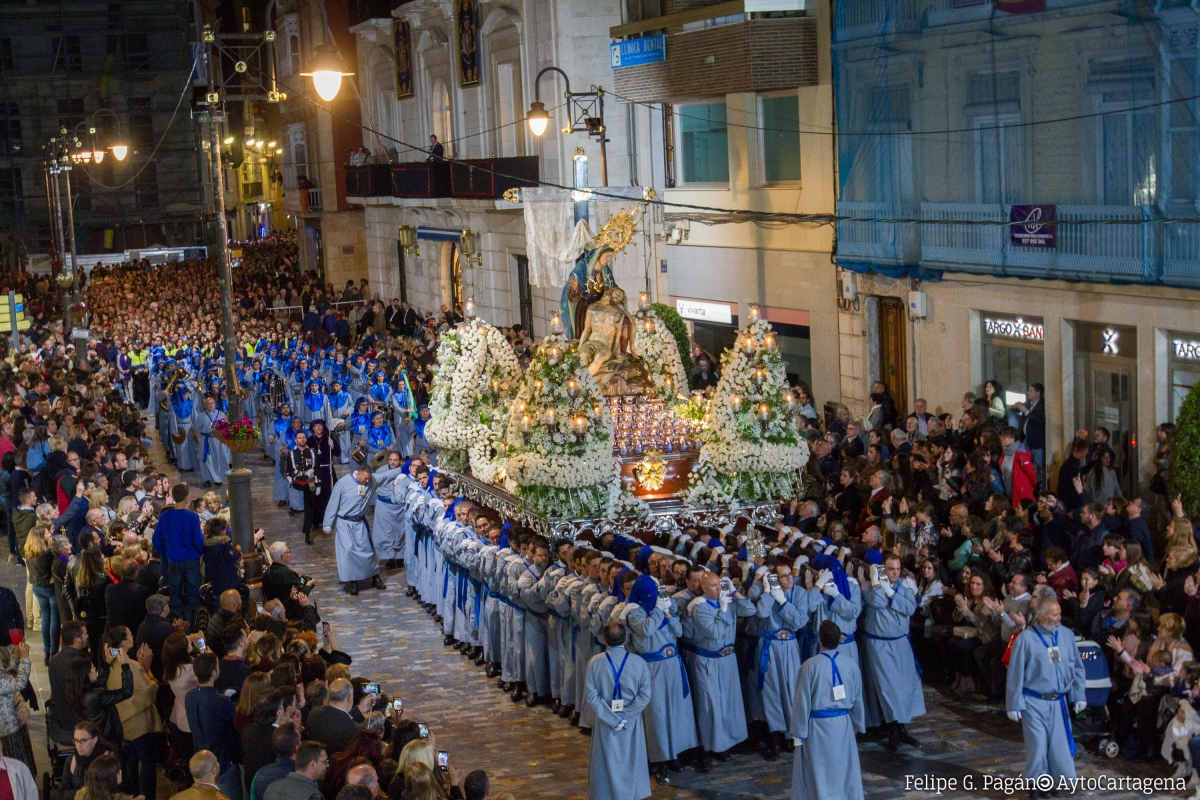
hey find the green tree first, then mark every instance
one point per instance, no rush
(1183, 477)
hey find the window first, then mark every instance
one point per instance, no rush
(297, 167)
(704, 143)
(70, 113)
(67, 56)
(147, 187)
(994, 107)
(668, 129)
(141, 123)
(6, 53)
(442, 116)
(1127, 139)
(638, 10)
(12, 196)
(525, 293)
(1127, 171)
(1184, 131)
(252, 185)
(10, 129)
(289, 49)
(509, 108)
(137, 52)
(780, 125)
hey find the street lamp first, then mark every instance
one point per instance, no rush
(585, 111)
(327, 72)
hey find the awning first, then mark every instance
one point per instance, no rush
(439, 234)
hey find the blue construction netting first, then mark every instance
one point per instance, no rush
(966, 116)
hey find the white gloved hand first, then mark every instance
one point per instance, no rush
(664, 603)
(327, 529)
(616, 611)
(831, 549)
(762, 571)
(1015, 716)
(888, 590)
(724, 602)
(797, 742)
(625, 611)
(620, 726)
(911, 584)
(696, 602)
(1080, 706)
(830, 589)
(779, 596)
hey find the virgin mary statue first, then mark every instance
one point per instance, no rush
(589, 279)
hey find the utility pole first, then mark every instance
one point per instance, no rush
(66, 168)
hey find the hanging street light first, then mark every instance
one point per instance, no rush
(327, 72)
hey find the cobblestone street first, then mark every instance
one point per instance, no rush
(533, 753)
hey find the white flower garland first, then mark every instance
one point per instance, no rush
(660, 354)
(554, 470)
(751, 461)
(467, 413)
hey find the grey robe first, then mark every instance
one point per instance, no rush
(531, 593)
(214, 454)
(1047, 738)
(842, 611)
(388, 531)
(717, 692)
(347, 510)
(892, 687)
(826, 763)
(778, 666)
(617, 767)
(669, 719)
(562, 667)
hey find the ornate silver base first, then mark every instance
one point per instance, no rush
(666, 516)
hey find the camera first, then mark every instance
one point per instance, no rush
(443, 760)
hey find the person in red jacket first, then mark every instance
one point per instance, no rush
(1020, 476)
(1061, 575)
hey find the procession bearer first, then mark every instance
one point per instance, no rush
(828, 709)
(347, 509)
(1045, 676)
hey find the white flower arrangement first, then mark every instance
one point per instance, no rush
(560, 453)
(476, 379)
(660, 354)
(752, 444)
(621, 502)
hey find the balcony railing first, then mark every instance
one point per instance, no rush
(858, 19)
(876, 242)
(1127, 253)
(482, 179)
(310, 200)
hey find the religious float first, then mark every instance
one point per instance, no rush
(599, 435)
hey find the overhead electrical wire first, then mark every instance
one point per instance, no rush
(761, 217)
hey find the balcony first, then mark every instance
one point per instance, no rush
(862, 19)
(874, 242)
(1154, 254)
(478, 179)
(747, 55)
(310, 200)
(362, 10)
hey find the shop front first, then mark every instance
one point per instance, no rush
(714, 327)
(1106, 392)
(1014, 353)
(1183, 369)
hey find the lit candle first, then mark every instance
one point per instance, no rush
(573, 388)
(469, 308)
(755, 312)
(556, 323)
(597, 412)
(763, 413)
(552, 418)
(579, 425)
(495, 386)
(748, 345)
(648, 325)
(552, 356)
(769, 341)
(644, 301)
(736, 402)
(526, 424)
(759, 375)
(537, 384)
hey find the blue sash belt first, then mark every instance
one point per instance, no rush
(507, 602)
(538, 614)
(764, 658)
(463, 577)
(1062, 704)
(667, 652)
(480, 593)
(828, 713)
(916, 663)
(574, 636)
(556, 615)
(384, 500)
(727, 650)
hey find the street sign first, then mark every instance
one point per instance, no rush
(635, 52)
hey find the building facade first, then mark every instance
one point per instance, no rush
(110, 73)
(984, 125)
